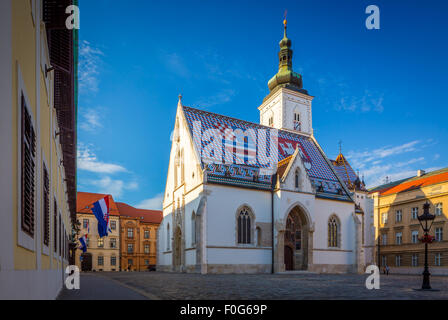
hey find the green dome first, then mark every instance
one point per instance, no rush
(286, 77)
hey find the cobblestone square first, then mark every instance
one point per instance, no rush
(181, 286)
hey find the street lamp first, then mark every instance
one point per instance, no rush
(426, 239)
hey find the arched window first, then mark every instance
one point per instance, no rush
(193, 229)
(244, 226)
(297, 178)
(168, 237)
(334, 232)
(296, 116)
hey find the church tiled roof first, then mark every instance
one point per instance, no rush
(322, 176)
(283, 165)
(347, 174)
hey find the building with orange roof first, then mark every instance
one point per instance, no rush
(397, 230)
(103, 254)
(138, 233)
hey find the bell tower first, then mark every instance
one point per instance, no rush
(288, 105)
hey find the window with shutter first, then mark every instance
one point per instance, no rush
(60, 236)
(46, 208)
(28, 171)
(55, 226)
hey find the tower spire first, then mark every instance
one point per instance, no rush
(286, 77)
(285, 23)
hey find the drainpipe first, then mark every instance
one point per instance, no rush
(274, 180)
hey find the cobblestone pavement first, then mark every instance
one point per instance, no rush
(95, 287)
(158, 285)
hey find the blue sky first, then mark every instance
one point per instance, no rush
(382, 92)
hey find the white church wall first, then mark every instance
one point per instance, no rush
(192, 200)
(366, 204)
(345, 253)
(164, 257)
(224, 256)
(222, 206)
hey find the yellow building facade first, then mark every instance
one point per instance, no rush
(37, 199)
(103, 254)
(396, 208)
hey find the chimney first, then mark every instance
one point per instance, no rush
(420, 173)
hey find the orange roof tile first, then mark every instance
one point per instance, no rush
(282, 165)
(85, 201)
(415, 184)
(152, 216)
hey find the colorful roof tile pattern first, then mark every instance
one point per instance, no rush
(245, 168)
(347, 174)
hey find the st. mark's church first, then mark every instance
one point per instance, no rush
(234, 216)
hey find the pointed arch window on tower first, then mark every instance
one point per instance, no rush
(297, 123)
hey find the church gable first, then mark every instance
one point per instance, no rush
(184, 166)
(293, 175)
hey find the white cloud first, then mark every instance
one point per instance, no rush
(361, 159)
(89, 62)
(176, 65)
(87, 160)
(154, 203)
(92, 120)
(389, 163)
(221, 97)
(115, 187)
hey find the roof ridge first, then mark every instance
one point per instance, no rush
(282, 162)
(409, 179)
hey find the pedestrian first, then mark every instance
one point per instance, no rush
(387, 270)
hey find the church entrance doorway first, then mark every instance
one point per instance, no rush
(296, 240)
(289, 256)
(177, 247)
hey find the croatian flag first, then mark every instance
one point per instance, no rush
(101, 211)
(83, 240)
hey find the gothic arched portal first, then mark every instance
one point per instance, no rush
(295, 242)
